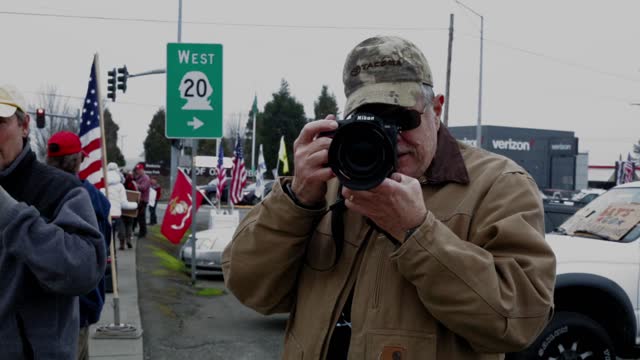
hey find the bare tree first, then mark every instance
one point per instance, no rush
(53, 105)
(234, 124)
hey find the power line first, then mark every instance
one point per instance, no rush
(555, 59)
(219, 23)
(82, 98)
(539, 54)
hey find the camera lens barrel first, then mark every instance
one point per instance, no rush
(363, 153)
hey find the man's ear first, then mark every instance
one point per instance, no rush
(25, 125)
(438, 104)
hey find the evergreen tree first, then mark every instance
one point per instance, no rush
(325, 105)
(157, 148)
(111, 137)
(207, 147)
(283, 115)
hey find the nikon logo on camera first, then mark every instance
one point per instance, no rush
(365, 117)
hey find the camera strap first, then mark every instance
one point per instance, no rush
(337, 223)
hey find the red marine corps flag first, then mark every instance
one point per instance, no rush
(177, 217)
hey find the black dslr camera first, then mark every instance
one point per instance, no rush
(363, 150)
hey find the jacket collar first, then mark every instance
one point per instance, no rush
(447, 165)
(25, 153)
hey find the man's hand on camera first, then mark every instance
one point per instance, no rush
(396, 205)
(311, 154)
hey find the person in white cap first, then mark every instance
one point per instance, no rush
(119, 202)
(443, 257)
(51, 250)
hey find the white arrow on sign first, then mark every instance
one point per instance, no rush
(196, 123)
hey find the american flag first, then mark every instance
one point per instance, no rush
(222, 176)
(238, 174)
(628, 169)
(90, 136)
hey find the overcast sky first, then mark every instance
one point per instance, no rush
(560, 65)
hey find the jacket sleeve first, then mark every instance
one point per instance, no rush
(144, 183)
(125, 204)
(261, 263)
(496, 289)
(67, 255)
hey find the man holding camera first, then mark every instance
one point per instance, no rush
(441, 257)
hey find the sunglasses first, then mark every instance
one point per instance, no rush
(405, 119)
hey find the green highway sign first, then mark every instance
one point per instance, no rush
(194, 91)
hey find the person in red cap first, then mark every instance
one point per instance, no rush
(51, 249)
(64, 151)
(144, 183)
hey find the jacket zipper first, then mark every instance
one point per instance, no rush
(335, 316)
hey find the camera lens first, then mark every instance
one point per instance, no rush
(361, 155)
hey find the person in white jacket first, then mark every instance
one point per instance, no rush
(119, 202)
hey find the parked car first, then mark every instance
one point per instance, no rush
(556, 213)
(210, 243)
(585, 196)
(211, 189)
(597, 282)
(249, 193)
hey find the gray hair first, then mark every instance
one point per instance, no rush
(21, 116)
(427, 92)
(69, 163)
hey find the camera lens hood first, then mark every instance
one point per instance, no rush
(361, 155)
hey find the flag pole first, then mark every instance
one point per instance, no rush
(253, 140)
(194, 209)
(218, 156)
(117, 330)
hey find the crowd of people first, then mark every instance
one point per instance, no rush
(444, 258)
(55, 232)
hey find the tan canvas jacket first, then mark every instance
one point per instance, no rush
(474, 281)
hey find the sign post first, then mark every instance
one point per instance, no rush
(194, 106)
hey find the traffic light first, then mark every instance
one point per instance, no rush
(40, 118)
(123, 75)
(111, 85)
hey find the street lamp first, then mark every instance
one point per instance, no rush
(479, 126)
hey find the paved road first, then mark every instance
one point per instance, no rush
(179, 324)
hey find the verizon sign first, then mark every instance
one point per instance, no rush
(511, 145)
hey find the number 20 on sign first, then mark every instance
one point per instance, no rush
(194, 91)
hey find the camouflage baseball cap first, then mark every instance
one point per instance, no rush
(384, 69)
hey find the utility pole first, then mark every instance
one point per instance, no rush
(174, 150)
(122, 137)
(479, 125)
(194, 188)
(448, 86)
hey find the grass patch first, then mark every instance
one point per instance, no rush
(160, 272)
(156, 235)
(209, 292)
(167, 311)
(167, 260)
